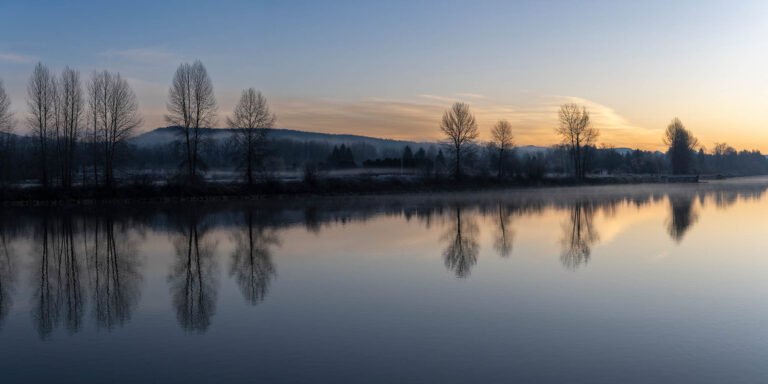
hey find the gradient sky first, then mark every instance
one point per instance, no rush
(390, 68)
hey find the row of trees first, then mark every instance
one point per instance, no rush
(63, 113)
(60, 116)
(461, 131)
(192, 106)
(578, 137)
(67, 118)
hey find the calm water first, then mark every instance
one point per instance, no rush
(581, 285)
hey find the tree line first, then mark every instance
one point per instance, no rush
(79, 131)
(94, 119)
(578, 137)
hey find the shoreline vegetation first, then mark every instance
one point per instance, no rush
(79, 149)
(327, 187)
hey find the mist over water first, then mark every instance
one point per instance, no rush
(642, 283)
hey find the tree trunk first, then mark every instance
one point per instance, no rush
(457, 171)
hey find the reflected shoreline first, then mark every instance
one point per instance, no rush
(86, 266)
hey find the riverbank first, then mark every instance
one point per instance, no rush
(321, 187)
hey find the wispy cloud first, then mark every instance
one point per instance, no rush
(445, 99)
(16, 58)
(471, 96)
(418, 119)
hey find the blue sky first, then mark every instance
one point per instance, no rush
(391, 68)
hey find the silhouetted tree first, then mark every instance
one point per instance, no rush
(69, 119)
(610, 159)
(577, 132)
(407, 158)
(251, 120)
(440, 162)
(7, 123)
(41, 99)
(460, 128)
(114, 115)
(503, 141)
(724, 155)
(252, 264)
(681, 146)
(579, 234)
(461, 253)
(341, 157)
(192, 106)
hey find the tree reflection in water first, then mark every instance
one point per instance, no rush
(7, 273)
(505, 234)
(252, 265)
(682, 216)
(114, 271)
(59, 291)
(579, 235)
(461, 253)
(193, 276)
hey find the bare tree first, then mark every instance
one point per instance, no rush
(114, 114)
(70, 108)
(460, 128)
(251, 121)
(41, 99)
(681, 144)
(503, 140)
(191, 106)
(576, 131)
(7, 123)
(6, 116)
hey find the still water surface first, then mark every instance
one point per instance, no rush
(582, 285)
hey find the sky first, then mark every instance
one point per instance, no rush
(391, 68)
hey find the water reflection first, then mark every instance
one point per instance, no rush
(504, 233)
(193, 276)
(8, 271)
(461, 252)
(682, 216)
(59, 294)
(114, 271)
(78, 257)
(252, 265)
(579, 235)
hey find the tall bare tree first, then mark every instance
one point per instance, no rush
(191, 106)
(6, 116)
(69, 119)
(251, 121)
(7, 123)
(41, 100)
(503, 140)
(681, 144)
(576, 131)
(460, 128)
(114, 115)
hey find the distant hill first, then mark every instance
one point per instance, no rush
(167, 135)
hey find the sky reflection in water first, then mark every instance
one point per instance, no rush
(599, 284)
